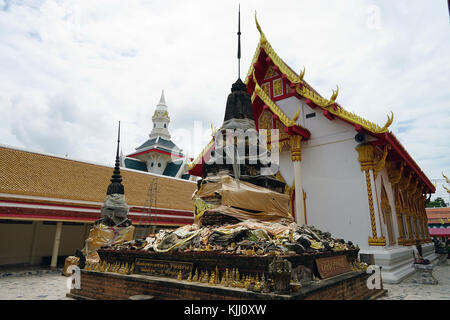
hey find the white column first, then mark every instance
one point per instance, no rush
(381, 228)
(299, 207)
(56, 243)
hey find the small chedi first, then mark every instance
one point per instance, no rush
(113, 227)
(243, 235)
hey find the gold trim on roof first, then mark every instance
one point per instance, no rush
(305, 91)
(272, 105)
(446, 178)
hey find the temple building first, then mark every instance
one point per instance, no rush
(159, 155)
(439, 223)
(48, 204)
(343, 174)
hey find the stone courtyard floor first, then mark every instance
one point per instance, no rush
(407, 290)
(51, 285)
(33, 285)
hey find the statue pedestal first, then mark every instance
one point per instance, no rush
(424, 274)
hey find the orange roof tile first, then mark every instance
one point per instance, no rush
(34, 174)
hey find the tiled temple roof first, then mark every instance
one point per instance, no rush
(40, 175)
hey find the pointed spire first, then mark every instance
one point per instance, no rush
(162, 100)
(116, 179)
(239, 42)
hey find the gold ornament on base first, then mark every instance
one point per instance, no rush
(205, 278)
(217, 275)
(195, 278)
(212, 279)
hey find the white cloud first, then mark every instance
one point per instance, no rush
(71, 70)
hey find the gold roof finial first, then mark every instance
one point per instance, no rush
(388, 123)
(446, 179)
(257, 24)
(296, 116)
(302, 74)
(335, 94)
(263, 37)
(446, 189)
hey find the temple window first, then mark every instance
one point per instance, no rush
(277, 87)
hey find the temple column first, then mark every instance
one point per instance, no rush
(423, 215)
(416, 228)
(422, 233)
(401, 232)
(56, 243)
(403, 186)
(394, 176)
(296, 157)
(427, 232)
(414, 212)
(410, 229)
(366, 157)
(419, 220)
(425, 222)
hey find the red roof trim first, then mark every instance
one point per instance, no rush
(155, 150)
(389, 137)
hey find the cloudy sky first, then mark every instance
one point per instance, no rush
(70, 70)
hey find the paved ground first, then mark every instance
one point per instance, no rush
(407, 290)
(33, 285)
(51, 285)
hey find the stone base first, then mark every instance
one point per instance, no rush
(397, 261)
(424, 274)
(428, 253)
(112, 286)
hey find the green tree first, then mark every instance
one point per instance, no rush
(437, 203)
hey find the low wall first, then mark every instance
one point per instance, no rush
(112, 286)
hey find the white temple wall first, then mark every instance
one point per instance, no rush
(335, 186)
(319, 125)
(287, 167)
(290, 107)
(336, 193)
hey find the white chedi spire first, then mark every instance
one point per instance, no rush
(161, 120)
(162, 101)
